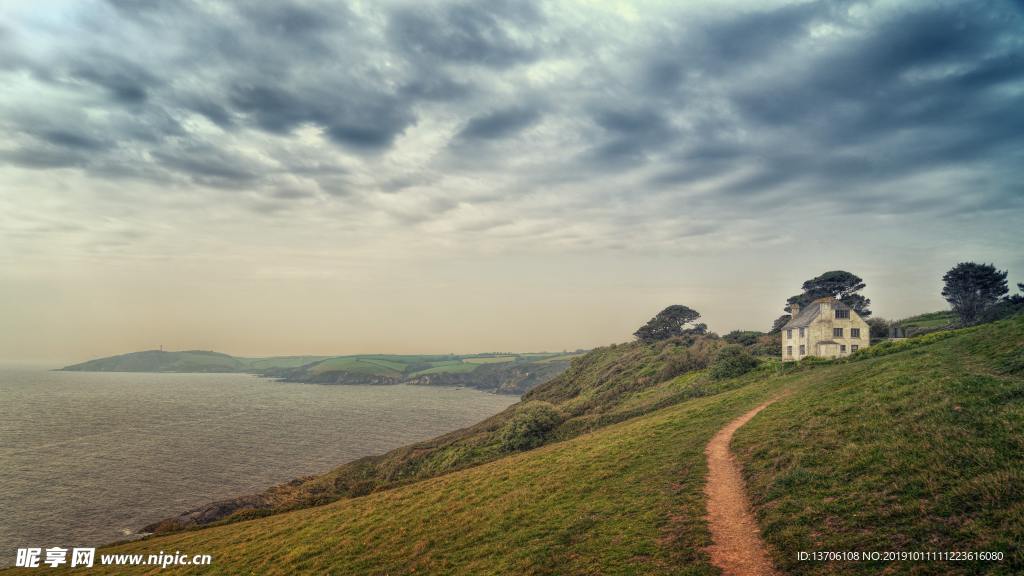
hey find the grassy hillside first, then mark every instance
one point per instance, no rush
(508, 373)
(916, 446)
(930, 322)
(922, 450)
(161, 361)
(273, 362)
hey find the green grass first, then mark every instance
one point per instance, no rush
(451, 368)
(489, 359)
(161, 361)
(931, 320)
(918, 450)
(560, 357)
(280, 362)
(360, 365)
(450, 362)
(395, 366)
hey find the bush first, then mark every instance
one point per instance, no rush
(686, 354)
(529, 427)
(746, 338)
(732, 361)
(878, 328)
(768, 345)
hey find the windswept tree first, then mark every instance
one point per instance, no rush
(668, 323)
(971, 288)
(840, 284)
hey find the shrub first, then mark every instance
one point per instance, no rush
(878, 328)
(686, 354)
(768, 345)
(529, 427)
(743, 337)
(732, 361)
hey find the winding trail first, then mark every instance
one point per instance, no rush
(737, 548)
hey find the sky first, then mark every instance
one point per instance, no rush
(433, 177)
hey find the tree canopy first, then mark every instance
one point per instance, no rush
(971, 288)
(668, 323)
(779, 323)
(878, 328)
(840, 284)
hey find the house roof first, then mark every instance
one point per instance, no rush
(804, 318)
(810, 312)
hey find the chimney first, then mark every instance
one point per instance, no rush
(794, 309)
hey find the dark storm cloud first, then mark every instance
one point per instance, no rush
(208, 164)
(125, 81)
(628, 134)
(827, 101)
(499, 123)
(494, 34)
(294, 21)
(729, 43)
(142, 8)
(270, 68)
(436, 88)
(279, 68)
(71, 139)
(10, 56)
(924, 87)
(358, 120)
(272, 108)
(212, 110)
(875, 71)
(43, 157)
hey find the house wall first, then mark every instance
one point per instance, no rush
(820, 330)
(796, 341)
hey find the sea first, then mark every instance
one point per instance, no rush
(88, 458)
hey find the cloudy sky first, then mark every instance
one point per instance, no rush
(327, 177)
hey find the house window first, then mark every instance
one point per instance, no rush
(789, 350)
(789, 334)
(854, 348)
(842, 313)
(837, 332)
(842, 348)
(803, 350)
(801, 332)
(854, 332)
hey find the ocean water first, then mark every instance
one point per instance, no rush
(88, 458)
